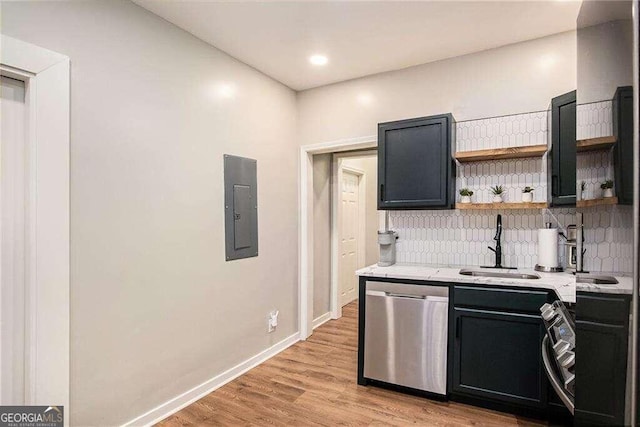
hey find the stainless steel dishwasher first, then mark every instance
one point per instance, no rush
(406, 335)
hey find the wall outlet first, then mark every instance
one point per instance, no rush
(272, 320)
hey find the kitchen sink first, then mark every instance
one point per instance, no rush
(482, 273)
(596, 280)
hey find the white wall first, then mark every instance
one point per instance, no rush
(605, 54)
(512, 79)
(321, 234)
(155, 309)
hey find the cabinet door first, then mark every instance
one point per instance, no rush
(601, 359)
(601, 355)
(498, 356)
(563, 150)
(623, 150)
(415, 168)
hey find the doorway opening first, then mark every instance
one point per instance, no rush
(345, 224)
(355, 223)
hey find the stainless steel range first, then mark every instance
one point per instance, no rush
(558, 351)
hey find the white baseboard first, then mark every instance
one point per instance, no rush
(172, 406)
(319, 321)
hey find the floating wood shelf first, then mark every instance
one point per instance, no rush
(501, 153)
(503, 205)
(597, 202)
(593, 144)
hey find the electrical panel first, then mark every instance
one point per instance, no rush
(240, 207)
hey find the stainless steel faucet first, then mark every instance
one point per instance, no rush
(497, 237)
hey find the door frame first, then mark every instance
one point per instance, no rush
(47, 99)
(305, 207)
(337, 168)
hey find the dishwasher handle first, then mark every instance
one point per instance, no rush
(396, 295)
(430, 298)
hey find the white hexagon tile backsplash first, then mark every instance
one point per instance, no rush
(455, 237)
(515, 130)
(608, 238)
(594, 120)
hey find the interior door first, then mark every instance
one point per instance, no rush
(348, 227)
(12, 233)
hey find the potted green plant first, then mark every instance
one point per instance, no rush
(527, 194)
(497, 192)
(607, 188)
(465, 195)
(580, 193)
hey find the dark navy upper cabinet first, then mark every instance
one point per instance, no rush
(415, 166)
(562, 156)
(623, 150)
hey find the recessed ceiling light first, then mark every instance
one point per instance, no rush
(319, 60)
(546, 62)
(226, 90)
(365, 98)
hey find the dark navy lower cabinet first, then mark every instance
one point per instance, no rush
(601, 358)
(496, 359)
(497, 356)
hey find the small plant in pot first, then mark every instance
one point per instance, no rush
(497, 192)
(465, 195)
(527, 194)
(607, 188)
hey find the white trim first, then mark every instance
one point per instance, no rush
(185, 399)
(28, 57)
(47, 78)
(321, 320)
(305, 240)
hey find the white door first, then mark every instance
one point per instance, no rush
(348, 238)
(12, 236)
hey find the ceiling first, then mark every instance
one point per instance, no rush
(359, 37)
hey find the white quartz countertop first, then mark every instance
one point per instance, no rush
(563, 284)
(624, 285)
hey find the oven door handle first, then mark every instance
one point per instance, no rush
(555, 382)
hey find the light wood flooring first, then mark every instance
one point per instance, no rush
(313, 383)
